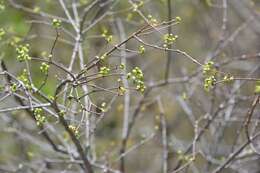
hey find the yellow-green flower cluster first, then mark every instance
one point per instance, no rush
(74, 130)
(153, 21)
(228, 78)
(103, 107)
(44, 67)
(178, 19)
(104, 70)
(207, 68)
(138, 79)
(24, 77)
(209, 72)
(183, 157)
(209, 82)
(108, 37)
(56, 23)
(169, 39)
(23, 53)
(13, 87)
(122, 66)
(141, 49)
(121, 90)
(40, 118)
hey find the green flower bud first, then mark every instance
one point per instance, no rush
(56, 23)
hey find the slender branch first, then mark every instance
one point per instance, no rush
(249, 116)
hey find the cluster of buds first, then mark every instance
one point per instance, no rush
(44, 67)
(40, 118)
(138, 79)
(23, 53)
(228, 78)
(103, 107)
(104, 70)
(108, 37)
(122, 66)
(56, 23)
(153, 21)
(74, 130)
(209, 82)
(207, 68)
(121, 90)
(24, 77)
(169, 39)
(14, 87)
(209, 72)
(178, 19)
(141, 49)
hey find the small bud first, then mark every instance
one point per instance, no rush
(56, 23)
